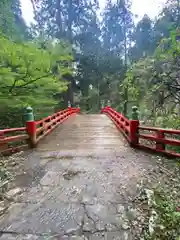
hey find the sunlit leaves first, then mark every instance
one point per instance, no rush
(26, 71)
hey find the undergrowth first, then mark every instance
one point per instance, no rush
(166, 216)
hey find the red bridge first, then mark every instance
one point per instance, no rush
(79, 174)
(158, 140)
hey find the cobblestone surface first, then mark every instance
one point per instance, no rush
(78, 184)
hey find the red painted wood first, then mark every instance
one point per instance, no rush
(31, 130)
(131, 128)
(13, 138)
(120, 127)
(169, 141)
(46, 132)
(164, 130)
(134, 124)
(57, 121)
(161, 140)
(122, 123)
(10, 130)
(119, 115)
(48, 124)
(3, 146)
(159, 143)
(36, 130)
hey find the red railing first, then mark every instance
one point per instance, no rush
(120, 121)
(159, 140)
(148, 138)
(15, 139)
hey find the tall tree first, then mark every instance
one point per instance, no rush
(74, 21)
(168, 20)
(117, 26)
(6, 18)
(60, 18)
(112, 32)
(143, 39)
(22, 31)
(116, 35)
(12, 23)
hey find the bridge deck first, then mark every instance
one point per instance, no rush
(77, 184)
(85, 134)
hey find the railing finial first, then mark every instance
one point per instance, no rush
(29, 115)
(108, 103)
(135, 114)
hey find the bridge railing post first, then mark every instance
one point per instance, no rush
(30, 126)
(160, 135)
(134, 127)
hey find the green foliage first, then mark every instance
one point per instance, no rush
(143, 38)
(117, 26)
(35, 71)
(153, 80)
(6, 18)
(153, 83)
(30, 75)
(26, 74)
(168, 216)
(12, 23)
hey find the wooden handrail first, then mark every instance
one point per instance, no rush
(12, 141)
(137, 134)
(127, 127)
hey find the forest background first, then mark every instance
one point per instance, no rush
(73, 52)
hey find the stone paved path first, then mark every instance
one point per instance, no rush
(77, 184)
